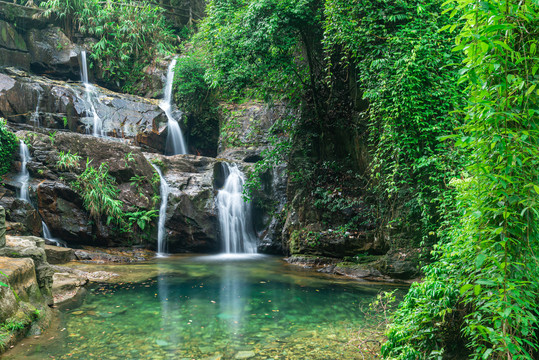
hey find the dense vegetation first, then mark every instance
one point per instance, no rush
(484, 287)
(378, 72)
(391, 70)
(130, 35)
(100, 195)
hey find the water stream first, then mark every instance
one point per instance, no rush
(91, 96)
(164, 191)
(175, 141)
(24, 175)
(235, 214)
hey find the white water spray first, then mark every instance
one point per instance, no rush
(175, 141)
(24, 175)
(235, 214)
(164, 191)
(91, 94)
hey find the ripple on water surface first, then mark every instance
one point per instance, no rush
(213, 307)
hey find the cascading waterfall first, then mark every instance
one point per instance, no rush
(91, 93)
(235, 214)
(24, 175)
(175, 141)
(164, 191)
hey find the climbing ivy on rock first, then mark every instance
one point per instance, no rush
(406, 77)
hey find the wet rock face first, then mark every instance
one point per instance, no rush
(21, 217)
(63, 105)
(28, 41)
(51, 52)
(191, 223)
(13, 49)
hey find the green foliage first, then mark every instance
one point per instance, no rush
(8, 144)
(129, 158)
(191, 90)
(12, 326)
(52, 137)
(142, 218)
(407, 73)
(253, 45)
(67, 160)
(100, 193)
(130, 34)
(484, 286)
(195, 98)
(2, 283)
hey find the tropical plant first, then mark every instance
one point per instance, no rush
(100, 193)
(52, 137)
(68, 160)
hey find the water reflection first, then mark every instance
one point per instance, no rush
(212, 307)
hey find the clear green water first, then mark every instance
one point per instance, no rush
(213, 308)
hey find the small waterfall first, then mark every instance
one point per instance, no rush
(164, 191)
(91, 94)
(24, 176)
(48, 236)
(35, 116)
(175, 141)
(235, 214)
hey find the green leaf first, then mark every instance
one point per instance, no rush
(479, 260)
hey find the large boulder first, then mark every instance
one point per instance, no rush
(52, 52)
(191, 222)
(29, 100)
(29, 41)
(23, 17)
(32, 247)
(21, 217)
(13, 49)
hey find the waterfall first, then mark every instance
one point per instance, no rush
(91, 93)
(24, 175)
(164, 190)
(48, 236)
(235, 214)
(175, 141)
(35, 116)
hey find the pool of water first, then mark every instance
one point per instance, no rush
(214, 307)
